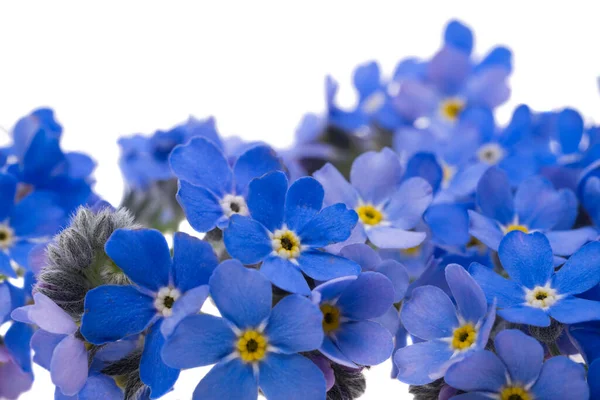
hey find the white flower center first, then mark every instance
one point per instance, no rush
(490, 153)
(7, 237)
(165, 299)
(232, 204)
(541, 296)
(286, 244)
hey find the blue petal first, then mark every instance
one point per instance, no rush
(407, 205)
(193, 261)
(565, 243)
(594, 379)
(20, 251)
(397, 274)
(143, 255)
(37, 215)
(363, 255)
(449, 224)
(201, 163)
(538, 205)
(522, 355)
(524, 314)
(5, 266)
(266, 199)
(43, 344)
(8, 190)
(422, 363)
(188, 304)
(429, 313)
(485, 229)
(367, 297)
(366, 79)
(581, 272)
(113, 312)
(247, 239)
(506, 292)
(303, 201)
(332, 352)
(482, 371)
(337, 189)
(561, 378)
(323, 266)
(197, 341)
(570, 130)
(469, 297)
(242, 295)
(365, 342)
(285, 275)
(292, 377)
(16, 340)
(425, 165)
(228, 380)
(498, 57)
(69, 365)
(494, 196)
(100, 387)
(376, 175)
(254, 163)
(333, 224)
(153, 371)
(527, 258)
(295, 325)
(201, 206)
(393, 238)
(332, 289)
(448, 80)
(459, 36)
(572, 310)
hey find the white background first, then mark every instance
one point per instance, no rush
(117, 68)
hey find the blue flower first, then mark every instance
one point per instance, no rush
(252, 345)
(449, 333)
(517, 371)
(594, 379)
(164, 288)
(591, 199)
(36, 217)
(210, 190)
(535, 292)
(16, 375)
(535, 207)
(285, 230)
(388, 207)
(350, 308)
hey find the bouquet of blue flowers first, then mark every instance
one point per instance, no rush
(412, 227)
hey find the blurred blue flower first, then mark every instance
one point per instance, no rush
(449, 333)
(285, 230)
(164, 288)
(252, 345)
(517, 371)
(534, 292)
(210, 190)
(16, 375)
(388, 207)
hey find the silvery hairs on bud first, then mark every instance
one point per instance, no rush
(76, 261)
(349, 384)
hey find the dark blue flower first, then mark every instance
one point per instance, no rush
(285, 230)
(534, 292)
(252, 345)
(535, 207)
(162, 285)
(517, 371)
(388, 207)
(210, 190)
(449, 333)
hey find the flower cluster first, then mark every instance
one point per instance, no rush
(411, 229)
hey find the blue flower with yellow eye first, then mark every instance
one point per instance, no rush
(285, 230)
(534, 292)
(253, 345)
(24, 223)
(517, 371)
(210, 190)
(165, 290)
(449, 333)
(535, 207)
(388, 205)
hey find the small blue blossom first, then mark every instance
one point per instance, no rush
(535, 207)
(534, 292)
(388, 206)
(252, 345)
(286, 229)
(210, 190)
(449, 333)
(164, 288)
(517, 371)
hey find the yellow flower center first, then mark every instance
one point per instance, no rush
(516, 227)
(369, 215)
(286, 243)
(515, 393)
(451, 108)
(448, 172)
(411, 251)
(331, 317)
(252, 346)
(464, 337)
(6, 236)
